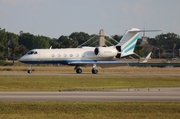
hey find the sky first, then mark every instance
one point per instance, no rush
(53, 18)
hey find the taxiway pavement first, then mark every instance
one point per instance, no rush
(128, 95)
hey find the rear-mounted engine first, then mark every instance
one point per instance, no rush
(105, 51)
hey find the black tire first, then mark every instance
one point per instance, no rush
(29, 71)
(94, 71)
(79, 71)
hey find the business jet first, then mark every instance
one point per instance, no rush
(93, 56)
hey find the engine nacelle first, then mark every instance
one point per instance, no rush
(105, 51)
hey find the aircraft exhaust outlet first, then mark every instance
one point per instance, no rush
(96, 51)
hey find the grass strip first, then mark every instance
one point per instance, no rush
(89, 110)
(70, 69)
(55, 83)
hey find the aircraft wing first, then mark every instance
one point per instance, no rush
(103, 64)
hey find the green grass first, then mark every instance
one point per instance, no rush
(55, 83)
(48, 69)
(90, 110)
(6, 69)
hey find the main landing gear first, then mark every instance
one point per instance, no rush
(29, 71)
(79, 70)
(94, 69)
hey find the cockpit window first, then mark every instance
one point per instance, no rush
(32, 52)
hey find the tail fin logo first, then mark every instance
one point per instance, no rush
(129, 46)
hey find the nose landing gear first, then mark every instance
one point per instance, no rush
(94, 71)
(29, 71)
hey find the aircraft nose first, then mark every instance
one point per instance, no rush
(21, 59)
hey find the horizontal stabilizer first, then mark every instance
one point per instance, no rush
(140, 30)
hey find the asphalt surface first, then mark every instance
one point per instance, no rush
(129, 95)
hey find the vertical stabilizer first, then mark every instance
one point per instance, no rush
(128, 42)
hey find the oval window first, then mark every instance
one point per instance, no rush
(65, 55)
(71, 55)
(77, 55)
(52, 55)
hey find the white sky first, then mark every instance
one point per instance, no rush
(54, 18)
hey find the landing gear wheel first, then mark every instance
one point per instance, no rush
(78, 70)
(94, 71)
(29, 71)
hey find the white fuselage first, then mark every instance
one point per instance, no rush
(67, 55)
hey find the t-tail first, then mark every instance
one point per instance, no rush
(128, 42)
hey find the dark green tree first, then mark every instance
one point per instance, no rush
(13, 44)
(22, 50)
(79, 37)
(67, 42)
(54, 43)
(117, 37)
(27, 40)
(165, 42)
(3, 43)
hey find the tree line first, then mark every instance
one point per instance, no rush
(15, 45)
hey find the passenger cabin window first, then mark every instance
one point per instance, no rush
(71, 55)
(77, 55)
(65, 55)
